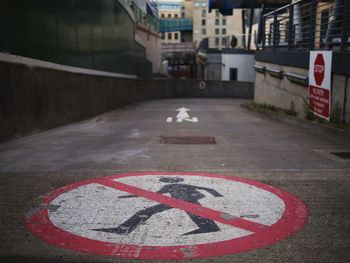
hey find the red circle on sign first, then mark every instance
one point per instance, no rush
(293, 219)
(319, 68)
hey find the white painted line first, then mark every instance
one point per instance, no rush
(169, 119)
(195, 119)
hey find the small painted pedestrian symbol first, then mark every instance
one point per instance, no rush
(185, 192)
(166, 216)
(182, 116)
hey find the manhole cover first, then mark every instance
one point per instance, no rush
(187, 140)
(343, 155)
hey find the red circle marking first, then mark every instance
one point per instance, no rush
(319, 68)
(292, 220)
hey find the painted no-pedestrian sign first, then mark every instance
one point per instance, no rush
(161, 215)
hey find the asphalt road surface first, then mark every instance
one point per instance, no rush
(153, 136)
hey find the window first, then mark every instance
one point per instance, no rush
(224, 41)
(169, 15)
(217, 13)
(203, 22)
(162, 15)
(223, 31)
(173, 6)
(163, 36)
(217, 41)
(204, 32)
(169, 36)
(233, 73)
(204, 12)
(175, 15)
(176, 36)
(217, 31)
(217, 22)
(270, 34)
(183, 15)
(224, 22)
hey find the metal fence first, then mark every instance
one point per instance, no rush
(307, 25)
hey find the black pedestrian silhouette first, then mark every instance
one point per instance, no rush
(176, 190)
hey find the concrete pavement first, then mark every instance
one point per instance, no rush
(248, 145)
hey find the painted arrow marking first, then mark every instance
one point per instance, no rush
(182, 116)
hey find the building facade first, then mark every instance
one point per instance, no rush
(176, 27)
(221, 31)
(170, 10)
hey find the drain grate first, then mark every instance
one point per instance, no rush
(187, 140)
(343, 155)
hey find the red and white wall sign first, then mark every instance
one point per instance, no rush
(166, 216)
(320, 72)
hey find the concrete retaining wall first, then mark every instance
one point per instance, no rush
(35, 96)
(283, 93)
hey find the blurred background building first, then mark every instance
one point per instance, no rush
(176, 27)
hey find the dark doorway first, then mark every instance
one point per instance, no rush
(233, 73)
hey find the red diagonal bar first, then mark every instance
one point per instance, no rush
(187, 207)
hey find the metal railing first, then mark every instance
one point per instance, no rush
(147, 19)
(179, 47)
(307, 25)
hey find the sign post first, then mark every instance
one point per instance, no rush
(320, 72)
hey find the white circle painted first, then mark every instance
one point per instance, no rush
(140, 213)
(202, 85)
